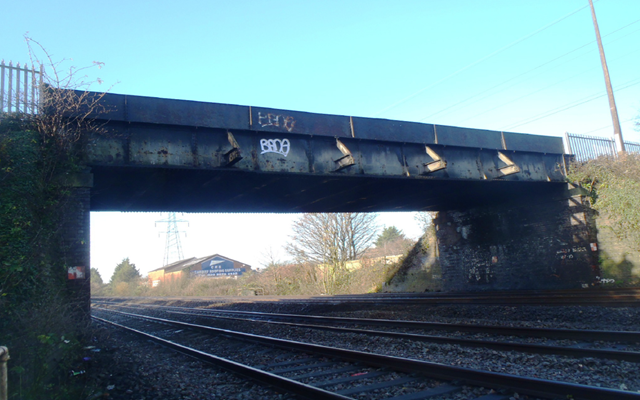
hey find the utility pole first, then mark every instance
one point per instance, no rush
(617, 132)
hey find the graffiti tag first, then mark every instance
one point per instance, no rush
(286, 122)
(605, 280)
(275, 146)
(480, 274)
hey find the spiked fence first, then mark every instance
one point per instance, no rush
(20, 88)
(588, 147)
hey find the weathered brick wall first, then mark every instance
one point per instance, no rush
(75, 235)
(545, 244)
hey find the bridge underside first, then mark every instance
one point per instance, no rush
(228, 190)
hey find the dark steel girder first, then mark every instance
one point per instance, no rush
(163, 155)
(228, 190)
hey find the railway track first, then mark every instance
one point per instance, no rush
(628, 297)
(421, 379)
(584, 348)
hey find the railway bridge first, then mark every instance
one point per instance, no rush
(507, 219)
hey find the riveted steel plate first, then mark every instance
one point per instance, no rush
(274, 120)
(181, 112)
(535, 143)
(161, 146)
(456, 136)
(394, 131)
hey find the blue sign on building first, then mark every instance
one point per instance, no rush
(218, 266)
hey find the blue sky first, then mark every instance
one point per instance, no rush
(522, 66)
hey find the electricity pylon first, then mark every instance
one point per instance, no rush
(173, 247)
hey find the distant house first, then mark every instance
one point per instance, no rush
(214, 266)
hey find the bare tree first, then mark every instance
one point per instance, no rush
(424, 219)
(330, 240)
(66, 109)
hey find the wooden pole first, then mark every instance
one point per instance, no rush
(617, 132)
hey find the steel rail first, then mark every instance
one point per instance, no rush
(290, 385)
(617, 300)
(582, 334)
(631, 356)
(630, 296)
(531, 386)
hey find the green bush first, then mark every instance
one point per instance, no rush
(614, 187)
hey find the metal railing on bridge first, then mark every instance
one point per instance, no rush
(589, 147)
(20, 88)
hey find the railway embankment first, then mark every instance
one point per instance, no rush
(614, 193)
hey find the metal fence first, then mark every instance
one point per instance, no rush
(20, 88)
(589, 147)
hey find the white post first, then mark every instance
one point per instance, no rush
(4, 357)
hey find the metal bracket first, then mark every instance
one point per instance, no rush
(511, 167)
(344, 161)
(232, 156)
(437, 164)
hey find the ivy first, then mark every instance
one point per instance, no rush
(614, 186)
(34, 314)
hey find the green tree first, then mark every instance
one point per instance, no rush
(389, 234)
(392, 241)
(95, 277)
(125, 272)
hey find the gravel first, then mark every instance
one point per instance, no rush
(129, 368)
(141, 370)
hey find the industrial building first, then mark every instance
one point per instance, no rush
(213, 266)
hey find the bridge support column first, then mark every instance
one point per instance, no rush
(75, 238)
(541, 244)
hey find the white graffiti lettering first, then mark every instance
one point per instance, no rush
(605, 280)
(287, 122)
(479, 274)
(275, 146)
(566, 253)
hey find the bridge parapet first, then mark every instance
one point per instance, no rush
(157, 132)
(176, 155)
(150, 110)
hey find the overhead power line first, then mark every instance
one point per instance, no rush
(567, 106)
(608, 126)
(511, 101)
(479, 61)
(527, 72)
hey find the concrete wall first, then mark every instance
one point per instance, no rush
(544, 244)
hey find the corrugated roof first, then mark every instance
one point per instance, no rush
(174, 266)
(182, 264)
(226, 258)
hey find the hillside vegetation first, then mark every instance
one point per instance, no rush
(614, 190)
